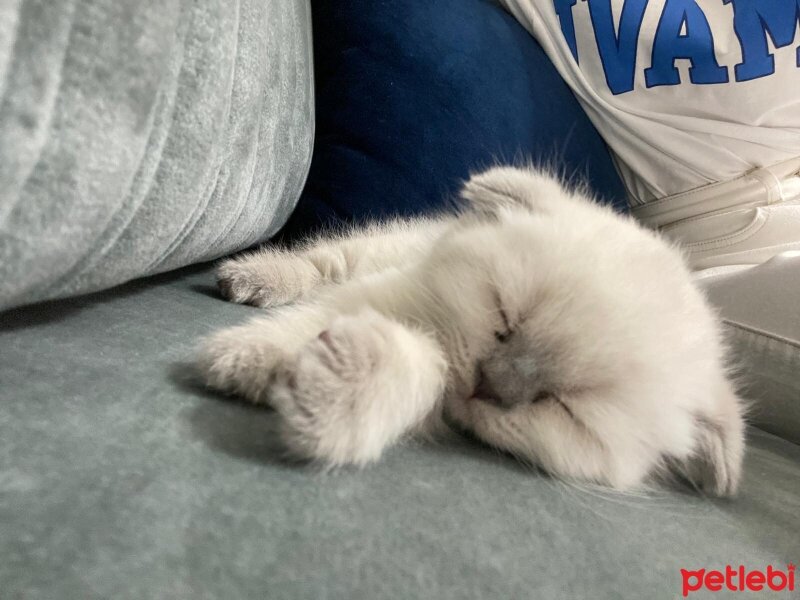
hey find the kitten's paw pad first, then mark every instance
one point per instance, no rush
(264, 279)
(351, 349)
(327, 395)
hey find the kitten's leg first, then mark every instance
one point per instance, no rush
(273, 277)
(245, 359)
(345, 387)
(357, 388)
(267, 277)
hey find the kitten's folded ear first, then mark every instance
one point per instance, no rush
(715, 466)
(507, 188)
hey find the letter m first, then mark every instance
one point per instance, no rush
(753, 21)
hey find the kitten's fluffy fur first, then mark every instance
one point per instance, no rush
(544, 323)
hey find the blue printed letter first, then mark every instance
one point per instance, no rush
(617, 50)
(564, 11)
(753, 20)
(696, 44)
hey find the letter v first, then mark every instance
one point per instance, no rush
(617, 50)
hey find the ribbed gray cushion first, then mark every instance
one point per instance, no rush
(137, 136)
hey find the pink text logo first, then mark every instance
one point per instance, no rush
(738, 580)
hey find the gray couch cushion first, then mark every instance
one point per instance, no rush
(137, 136)
(119, 479)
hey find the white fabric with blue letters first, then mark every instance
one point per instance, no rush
(685, 92)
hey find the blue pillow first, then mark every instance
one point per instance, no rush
(413, 95)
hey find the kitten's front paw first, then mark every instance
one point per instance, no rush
(265, 279)
(329, 396)
(229, 362)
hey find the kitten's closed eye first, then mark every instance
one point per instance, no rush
(504, 334)
(542, 395)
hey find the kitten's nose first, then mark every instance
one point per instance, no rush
(487, 391)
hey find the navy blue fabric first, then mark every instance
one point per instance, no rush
(413, 95)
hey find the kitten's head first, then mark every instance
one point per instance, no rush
(579, 343)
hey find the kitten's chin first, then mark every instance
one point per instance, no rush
(456, 416)
(461, 402)
(460, 410)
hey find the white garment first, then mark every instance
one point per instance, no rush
(745, 221)
(674, 124)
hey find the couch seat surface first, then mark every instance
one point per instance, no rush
(119, 478)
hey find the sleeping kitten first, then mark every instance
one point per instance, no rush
(545, 324)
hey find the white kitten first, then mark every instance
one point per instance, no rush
(544, 323)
